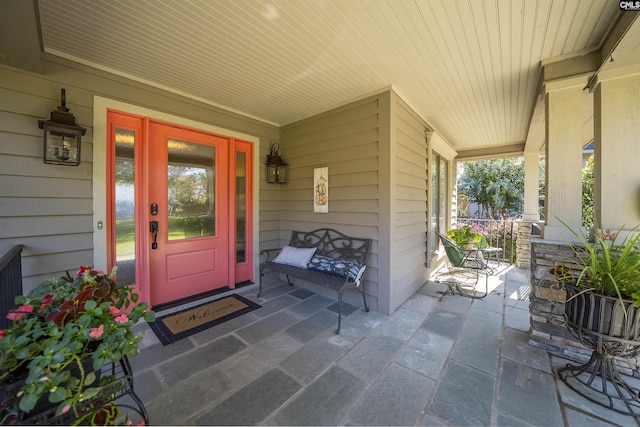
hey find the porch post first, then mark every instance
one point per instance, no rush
(531, 196)
(617, 148)
(566, 103)
(530, 214)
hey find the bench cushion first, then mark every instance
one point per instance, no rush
(337, 267)
(296, 257)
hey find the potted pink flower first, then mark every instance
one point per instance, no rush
(63, 333)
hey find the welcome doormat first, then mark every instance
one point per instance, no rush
(176, 326)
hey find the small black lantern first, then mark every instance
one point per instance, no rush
(62, 136)
(276, 168)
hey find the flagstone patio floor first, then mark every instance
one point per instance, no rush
(438, 360)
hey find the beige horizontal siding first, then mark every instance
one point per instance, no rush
(49, 208)
(24, 206)
(346, 140)
(410, 203)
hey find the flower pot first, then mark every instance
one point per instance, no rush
(611, 327)
(605, 323)
(9, 399)
(62, 321)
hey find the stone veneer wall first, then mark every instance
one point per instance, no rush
(547, 301)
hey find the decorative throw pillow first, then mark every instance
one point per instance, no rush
(337, 267)
(296, 257)
(356, 272)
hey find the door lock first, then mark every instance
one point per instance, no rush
(153, 228)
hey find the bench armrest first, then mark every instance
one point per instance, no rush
(269, 252)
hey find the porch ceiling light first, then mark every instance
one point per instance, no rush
(62, 136)
(276, 168)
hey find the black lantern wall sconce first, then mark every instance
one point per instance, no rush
(276, 168)
(62, 136)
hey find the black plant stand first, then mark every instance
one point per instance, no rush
(611, 327)
(600, 374)
(118, 391)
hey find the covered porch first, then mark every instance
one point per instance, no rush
(438, 360)
(419, 358)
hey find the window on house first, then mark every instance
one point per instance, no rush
(124, 194)
(439, 185)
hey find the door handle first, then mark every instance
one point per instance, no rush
(153, 228)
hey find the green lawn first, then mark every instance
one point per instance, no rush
(125, 236)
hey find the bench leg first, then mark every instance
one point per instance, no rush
(339, 315)
(340, 292)
(260, 284)
(340, 308)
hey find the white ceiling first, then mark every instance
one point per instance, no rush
(470, 68)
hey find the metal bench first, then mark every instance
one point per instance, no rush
(329, 244)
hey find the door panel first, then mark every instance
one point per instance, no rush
(125, 136)
(243, 208)
(188, 180)
(193, 263)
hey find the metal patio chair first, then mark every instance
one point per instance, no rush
(465, 267)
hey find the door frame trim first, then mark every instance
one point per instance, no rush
(99, 182)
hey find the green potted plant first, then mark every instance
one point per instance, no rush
(63, 333)
(608, 268)
(465, 235)
(602, 311)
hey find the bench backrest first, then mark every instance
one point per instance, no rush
(332, 243)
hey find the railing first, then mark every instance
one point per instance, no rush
(499, 234)
(10, 282)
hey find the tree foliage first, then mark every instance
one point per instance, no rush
(188, 190)
(496, 185)
(542, 186)
(124, 171)
(587, 194)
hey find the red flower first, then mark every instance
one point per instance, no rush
(46, 301)
(114, 310)
(82, 269)
(1, 334)
(20, 312)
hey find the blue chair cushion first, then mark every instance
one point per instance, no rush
(337, 267)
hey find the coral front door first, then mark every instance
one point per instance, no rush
(188, 199)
